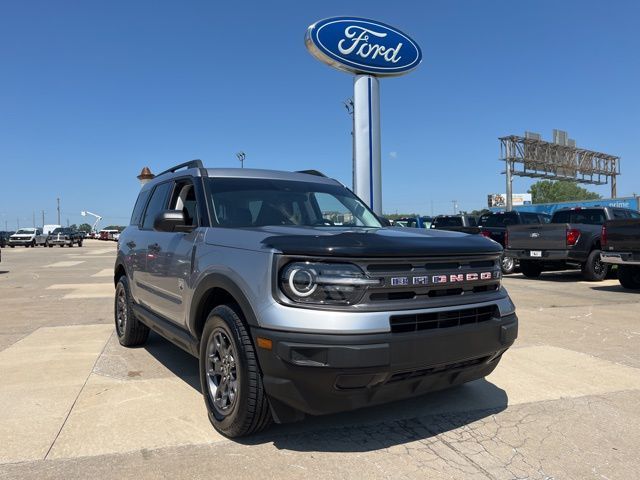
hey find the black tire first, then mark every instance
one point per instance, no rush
(593, 269)
(50, 245)
(79, 244)
(12, 246)
(629, 276)
(507, 265)
(248, 410)
(131, 332)
(71, 245)
(530, 269)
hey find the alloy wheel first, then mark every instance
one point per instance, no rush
(222, 372)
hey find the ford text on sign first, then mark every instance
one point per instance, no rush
(364, 46)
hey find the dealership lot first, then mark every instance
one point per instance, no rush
(562, 404)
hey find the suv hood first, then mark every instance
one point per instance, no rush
(347, 242)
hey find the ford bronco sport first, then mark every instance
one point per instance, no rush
(297, 301)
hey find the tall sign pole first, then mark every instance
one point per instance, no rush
(369, 50)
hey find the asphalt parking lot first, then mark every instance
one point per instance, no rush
(562, 404)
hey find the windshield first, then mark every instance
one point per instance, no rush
(60, 230)
(242, 202)
(22, 230)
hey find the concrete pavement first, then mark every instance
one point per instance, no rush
(562, 404)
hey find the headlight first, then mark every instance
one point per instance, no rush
(324, 283)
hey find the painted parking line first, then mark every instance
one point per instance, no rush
(114, 416)
(65, 263)
(85, 290)
(107, 272)
(41, 376)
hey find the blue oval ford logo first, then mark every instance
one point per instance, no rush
(359, 45)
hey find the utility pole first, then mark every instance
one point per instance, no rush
(455, 206)
(42, 218)
(67, 222)
(34, 219)
(18, 222)
(58, 199)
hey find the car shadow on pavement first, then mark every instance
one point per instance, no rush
(372, 428)
(388, 425)
(571, 276)
(182, 364)
(613, 288)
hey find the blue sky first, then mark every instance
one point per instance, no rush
(90, 92)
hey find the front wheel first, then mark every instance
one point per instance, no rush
(629, 277)
(230, 376)
(593, 269)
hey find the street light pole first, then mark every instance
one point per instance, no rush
(58, 199)
(241, 156)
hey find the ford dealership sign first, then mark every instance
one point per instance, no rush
(362, 46)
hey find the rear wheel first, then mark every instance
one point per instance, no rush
(230, 376)
(593, 269)
(629, 276)
(131, 332)
(530, 269)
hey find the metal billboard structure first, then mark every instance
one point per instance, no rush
(530, 156)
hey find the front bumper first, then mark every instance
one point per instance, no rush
(62, 241)
(323, 373)
(19, 243)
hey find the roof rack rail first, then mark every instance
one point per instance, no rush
(312, 172)
(190, 164)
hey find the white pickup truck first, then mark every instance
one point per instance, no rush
(25, 237)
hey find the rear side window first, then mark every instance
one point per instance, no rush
(501, 220)
(157, 203)
(136, 216)
(620, 214)
(529, 218)
(448, 221)
(586, 216)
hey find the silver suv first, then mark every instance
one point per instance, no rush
(298, 301)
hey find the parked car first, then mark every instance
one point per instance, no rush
(65, 236)
(570, 240)
(456, 223)
(620, 240)
(25, 237)
(494, 226)
(43, 238)
(107, 234)
(413, 222)
(293, 314)
(4, 238)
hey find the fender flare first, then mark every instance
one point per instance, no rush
(219, 280)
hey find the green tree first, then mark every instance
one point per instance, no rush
(547, 191)
(85, 227)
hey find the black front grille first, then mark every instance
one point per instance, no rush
(447, 319)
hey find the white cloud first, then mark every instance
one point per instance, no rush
(393, 155)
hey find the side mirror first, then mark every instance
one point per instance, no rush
(170, 221)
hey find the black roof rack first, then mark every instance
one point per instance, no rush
(312, 172)
(190, 164)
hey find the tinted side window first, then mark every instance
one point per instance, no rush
(633, 214)
(618, 214)
(157, 203)
(136, 216)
